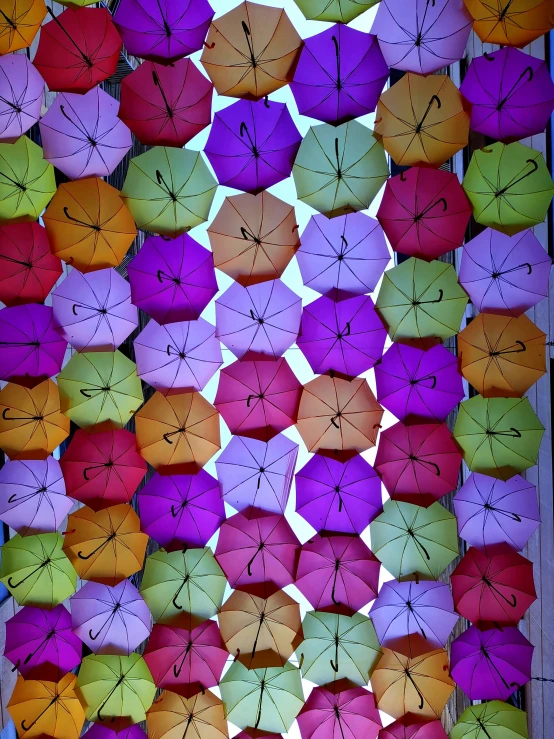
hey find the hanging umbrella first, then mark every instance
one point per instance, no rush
(253, 237)
(412, 727)
(257, 473)
(19, 26)
(340, 169)
(422, 120)
(496, 718)
(88, 225)
(181, 511)
(424, 212)
(27, 181)
(41, 707)
(105, 546)
(334, 11)
(414, 542)
(514, 24)
(169, 191)
(21, 93)
(202, 715)
(339, 710)
(100, 731)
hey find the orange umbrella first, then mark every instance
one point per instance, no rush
(338, 417)
(175, 717)
(421, 685)
(31, 422)
(42, 707)
(19, 23)
(178, 433)
(422, 120)
(88, 224)
(251, 51)
(502, 356)
(511, 22)
(105, 546)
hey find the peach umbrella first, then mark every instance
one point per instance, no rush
(19, 23)
(174, 717)
(511, 22)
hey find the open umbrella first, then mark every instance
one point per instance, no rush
(101, 731)
(19, 24)
(338, 710)
(42, 707)
(510, 24)
(202, 715)
(496, 718)
(413, 727)
(21, 93)
(27, 181)
(334, 11)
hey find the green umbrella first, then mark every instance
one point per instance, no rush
(334, 11)
(413, 542)
(183, 583)
(509, 186)
(27, 182)
(339, 169)
(100, 388)
(492, 720)
(169, 191)
(36, 571)
(268, 699)
(420, 300)
(337, 647)
(499, 437)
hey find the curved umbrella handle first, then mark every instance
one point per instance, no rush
(334, 667)
(333, 421)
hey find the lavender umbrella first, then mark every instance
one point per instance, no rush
(257, 473)
(21, 92)
(253, 145)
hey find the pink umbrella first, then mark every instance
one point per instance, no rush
(21, 93)
(413, 727)
(339, 710)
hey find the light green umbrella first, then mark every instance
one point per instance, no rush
(420, 300)
(337, 647)
(169, 191)
(413, 542)
(36, 571)
(339, 169)
(509, 186)
(492, 720)
(27, 182)
(268, 699)
(334, 11)
(499, 437)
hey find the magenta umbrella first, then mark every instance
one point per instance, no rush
(339, 710)
(99, 731)
(21, 93)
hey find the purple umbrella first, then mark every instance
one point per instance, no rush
(418, 385)
(178, 357)
(257, 473)
(110, 620)
(346, 337)
(21, 93)
(260, 321)
(340, 75)
(181, 511)
(342, 256)
(99, 731)
(33, 499)
(332, 496)
(172, 279)
(505, 274)
(252, 146)
(93, 311)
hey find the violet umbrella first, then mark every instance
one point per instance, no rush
(340, 710)
(258, 321)
(257, 473)
(99, 731)
(253, 145)
(21, 93)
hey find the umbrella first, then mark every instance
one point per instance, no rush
(491, 511)
(169, 191)
(340, 169)
(412, 727)
(334, 11)
(496, 588)
(346, 337)
(424, 212)
(72, 59)
(105, 546)
(88, 225)
(21, 92)
(27, 181)
(257, 473)
(252, 145)
(414, 542)
(42, 707)
(497, 23)
(413, 284)
(339, 710)
(496, 718)
(424, 36)
(36, 571)
(258, 321)
(41, 644)
(340, 75)
(419, 385)
(32, 496)
(39, 426)
(181, 511)
(338, 417)
(337, 647)
(166, 105)
(110, 620)
(337, 571)
(344, 256)
(251, 51)
(422, 120)
(178, 433)
(338, 496)
(503, 274)
(100, 731)
(19, 27)
(202, 715)
(93, 312)
(498, 436)
(253, 237)
(100, 389)
(258, 399)
(509, 187)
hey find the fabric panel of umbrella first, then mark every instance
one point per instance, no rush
(412, 727)
(20, 25)
(21, 92)
(334, 11)
(516, 24)
(27, 181)
(339, 709)
(497, 718)
(202, 715)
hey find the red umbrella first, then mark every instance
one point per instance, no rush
(413, 727)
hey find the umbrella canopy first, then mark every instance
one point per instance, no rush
(27, 181)
(100, 731)
(337, 710)
(19, 25)
(497, 718)
(39, 707)
(334, 11)
(21, 92)
(202, 714)
(412, 727)
(339, 169)
(516, 24)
